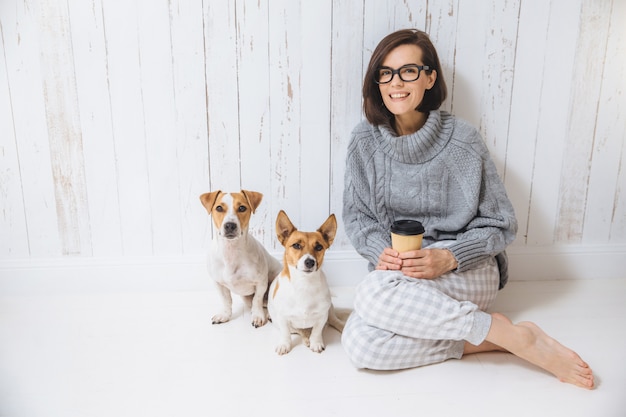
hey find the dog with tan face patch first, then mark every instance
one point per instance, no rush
(237, 262)
(299, 299)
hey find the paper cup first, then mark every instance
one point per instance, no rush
(406, 235)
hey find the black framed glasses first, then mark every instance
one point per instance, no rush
(407, 73)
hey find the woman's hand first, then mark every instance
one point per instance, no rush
(423, 263)
(389, 260)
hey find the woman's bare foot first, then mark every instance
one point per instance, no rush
(527, 341)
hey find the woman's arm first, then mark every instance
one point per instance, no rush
(362, 224)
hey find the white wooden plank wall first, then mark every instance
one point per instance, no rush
(116, 115)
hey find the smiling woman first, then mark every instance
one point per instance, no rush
(424, 306)
(386, 95)
(402, 95)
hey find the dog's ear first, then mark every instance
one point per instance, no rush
(208, 199)
(329, 229)
(254, 198)
(284, 227)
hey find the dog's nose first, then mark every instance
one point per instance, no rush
(230, 227)
(309, 263)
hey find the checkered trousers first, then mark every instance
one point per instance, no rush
(400, 322)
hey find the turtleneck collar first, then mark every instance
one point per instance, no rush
(421, 146)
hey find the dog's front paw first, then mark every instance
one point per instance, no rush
(317, 347)
(259, 320)
(283, 348)
(220, 318)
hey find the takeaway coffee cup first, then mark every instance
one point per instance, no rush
(406, 235)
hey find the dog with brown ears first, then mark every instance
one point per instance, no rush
(237, 262)
(299, 299)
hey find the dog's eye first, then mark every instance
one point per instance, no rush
(242, 209)
(219, 209)
(319, 247)
(296, 246)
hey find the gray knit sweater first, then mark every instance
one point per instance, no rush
(441, 175)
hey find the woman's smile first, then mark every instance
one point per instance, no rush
(395, 96)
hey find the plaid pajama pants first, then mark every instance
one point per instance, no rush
(400, 322)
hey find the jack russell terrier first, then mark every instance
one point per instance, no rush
(299, 299)
(237, 262)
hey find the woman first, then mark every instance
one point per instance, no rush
(410, 160)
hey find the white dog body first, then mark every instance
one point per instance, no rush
(299, 299)
(237, 262)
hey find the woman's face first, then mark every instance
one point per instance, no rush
(401, 97)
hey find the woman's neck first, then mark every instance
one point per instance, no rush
(409, 123)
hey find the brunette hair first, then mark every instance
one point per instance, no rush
(373, 106)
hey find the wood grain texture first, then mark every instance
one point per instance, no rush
(64, 132)
(20, 37)
(96, 124)
(583, 112)
(116, 116)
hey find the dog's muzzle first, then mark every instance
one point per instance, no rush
(230, 230)
(310, 265)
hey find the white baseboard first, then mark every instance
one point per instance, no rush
(562, 262)
(183, 273)
(343, 268)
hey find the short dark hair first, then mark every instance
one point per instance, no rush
(373, 106)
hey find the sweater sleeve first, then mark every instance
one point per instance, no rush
(494, 226)
(368, 236)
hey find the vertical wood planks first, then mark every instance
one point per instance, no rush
(20, 31)
(157, 90)
(127, 112)
(96, 124)
(441, 25)
(13, 231)
(497, 83)
(377, 23)
(470, 61)
(347, 71)
(409, 15)
(220, 33)
(586, 86)
(64, 133)
(115, 116)
(523, 123)
(253, 63)
(314, 84)
(285, 58)
(618, 218)
(487, 58)
(555, 78)
(616, 45)
(605, 212)
(190, 124)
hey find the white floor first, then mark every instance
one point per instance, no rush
(143, 353)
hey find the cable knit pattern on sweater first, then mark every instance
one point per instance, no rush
(441, 175)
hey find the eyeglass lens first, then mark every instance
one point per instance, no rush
(407, 73)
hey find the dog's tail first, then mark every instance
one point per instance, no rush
(335, 321)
